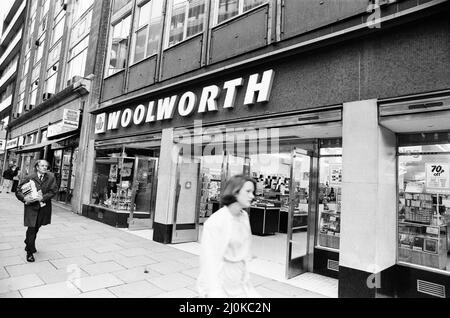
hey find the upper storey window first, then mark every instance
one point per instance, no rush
(227, 9)
(147, 29)
(186, 19)
(119, 34)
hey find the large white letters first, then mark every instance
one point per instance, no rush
(208, 99)
(263, 88)
(258, 90)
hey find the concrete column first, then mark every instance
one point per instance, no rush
(165, 195)
(368, 218)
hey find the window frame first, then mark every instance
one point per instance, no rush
(185, 24)
(240, 13)
(118, 17)
(139, 5)
(400, 154)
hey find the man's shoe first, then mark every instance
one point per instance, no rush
(30, 258)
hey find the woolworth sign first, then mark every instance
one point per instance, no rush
(258, 90)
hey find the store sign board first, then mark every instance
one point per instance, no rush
(13, 143)
(258, 91)
(21, 141)
(70, 122)
(71, 118)
(437, 177)
(2, 144)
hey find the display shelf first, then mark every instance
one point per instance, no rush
(329, 223)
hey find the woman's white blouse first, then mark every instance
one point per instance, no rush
(225, 238)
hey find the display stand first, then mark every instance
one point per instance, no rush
(422, 231)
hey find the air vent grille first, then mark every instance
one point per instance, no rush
(333, 265)
(430, 288)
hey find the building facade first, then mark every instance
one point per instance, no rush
(338, 109)
(55, 82)
(11, 44)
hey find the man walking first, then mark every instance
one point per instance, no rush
(37, 209)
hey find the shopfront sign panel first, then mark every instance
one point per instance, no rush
(70, 122)
(210, 98)
(13, 143)
(2, 144)
(437, 177)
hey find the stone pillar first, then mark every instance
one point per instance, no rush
(368, 218)
(165, 195)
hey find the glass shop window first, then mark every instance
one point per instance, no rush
(330, 180)
(187, 18)
(125, 178)
(424, 205)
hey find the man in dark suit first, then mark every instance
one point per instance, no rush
(37, 212)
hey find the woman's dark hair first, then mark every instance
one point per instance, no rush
(232, 188)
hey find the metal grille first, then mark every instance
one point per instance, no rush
(333, 265)
(430, 288)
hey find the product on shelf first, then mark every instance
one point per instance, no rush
(423, 229)
(330, 219)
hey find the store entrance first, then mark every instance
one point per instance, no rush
(143, 193)
(301, 206)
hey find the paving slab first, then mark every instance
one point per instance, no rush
(101, 293)
(102, 268)
(172, 282)
(91, 283)
(142, 289)
(19, 282)
(168, 267)
(136, 274)
(30, 268)
(57, 290)
(179, 293)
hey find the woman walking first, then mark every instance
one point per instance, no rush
(225, 244)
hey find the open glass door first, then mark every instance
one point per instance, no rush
(188, 187)
(300, 210)
(143, 195)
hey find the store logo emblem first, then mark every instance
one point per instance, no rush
(100, 123)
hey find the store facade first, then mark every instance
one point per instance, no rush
(310, 127)
(294, 154)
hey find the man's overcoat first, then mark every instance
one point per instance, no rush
(48, 187)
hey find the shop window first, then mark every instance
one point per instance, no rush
(227, 9)
(125, 179)
(118, 48)
(424, 204)
(329, 195)
(186, 18)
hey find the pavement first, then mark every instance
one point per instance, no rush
(78, 257)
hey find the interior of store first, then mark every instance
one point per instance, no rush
(283, 174)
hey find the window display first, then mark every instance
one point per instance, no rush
(330, 175)
(125, 179)
(424, 205)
